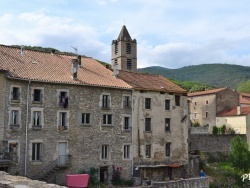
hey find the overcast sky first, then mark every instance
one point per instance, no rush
(169, 33)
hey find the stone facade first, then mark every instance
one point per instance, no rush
(205, 107)
(84, 142)
(165, 141)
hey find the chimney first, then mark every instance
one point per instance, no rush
(74, 68)
(79, 57)
(238, 110)
(22, 50)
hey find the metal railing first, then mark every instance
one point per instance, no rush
(61, 161)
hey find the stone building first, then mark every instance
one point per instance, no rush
(205, 105)
(61, 114)
(62, 111)
(160, 120)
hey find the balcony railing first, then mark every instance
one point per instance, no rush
(14, 127)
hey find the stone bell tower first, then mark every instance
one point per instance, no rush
(124, 52)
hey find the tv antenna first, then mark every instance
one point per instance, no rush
(75, 48)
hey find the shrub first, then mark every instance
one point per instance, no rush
(196, 124)
(215, 130)
(223, 129)
(231, 131)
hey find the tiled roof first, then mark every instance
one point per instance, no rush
(245, 94)
(207, 92)
(48, 67)
(149, 82)
(233, 112)
(244, 100)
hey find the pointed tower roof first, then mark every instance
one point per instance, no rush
(124, 35)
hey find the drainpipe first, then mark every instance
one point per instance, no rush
(132, 120)
(26, 129)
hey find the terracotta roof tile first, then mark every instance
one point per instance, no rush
(233, 112)
(43, 66)
(149, 82)
(244, 100)
(207, 92)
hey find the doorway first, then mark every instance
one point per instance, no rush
(103, 174)
(62, 153)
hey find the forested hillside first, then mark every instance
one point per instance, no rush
(218, 75)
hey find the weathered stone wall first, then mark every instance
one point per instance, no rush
(192, 182)
(199, 130)
(158, 137)
(2, 102)
(83, 141)
(212, 143)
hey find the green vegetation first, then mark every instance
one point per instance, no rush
(244, 87)
(191, 86)
(218, 75)
(196, 124)
(215, 130)
(223, 129)
(227, 170)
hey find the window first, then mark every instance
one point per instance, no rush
(36, 151)
(177, 100)
(126, 102)
(63, 99)
(15, 94)
(14, 120)
(206, 115)
(36, 119)
(167, 104)
(128, 48)
(168, 149)
(148, 151)
(195, 116)
(126, 152)
(105, 152)
(105, 102)
(129, 64)
(126, 123)
(107, 119)
(147, 103)
(63, 120)
(37, 95)
(85, 118)
(195, 103)
(167, 124)
(116, 48)
(206, 101)
(147, 124)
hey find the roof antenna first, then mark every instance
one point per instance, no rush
(75, 48)
(22, 50)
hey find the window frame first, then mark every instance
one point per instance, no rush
(168, 149)
(84, 118)
(177, 100)
(34, 153)
(148, 122)
(167, 121)
(167, 104)
(147, 103)
(126, 151)
(105, 152)
(148, 150)
(105, 101)
(105, 121)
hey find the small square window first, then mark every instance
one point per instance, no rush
(206, 101)
(107, 119)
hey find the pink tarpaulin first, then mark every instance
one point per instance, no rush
(77, 180)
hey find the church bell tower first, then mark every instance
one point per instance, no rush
(124, 52)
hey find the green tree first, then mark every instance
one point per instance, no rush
(215, 130)
(244, 87)
(239, 155)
